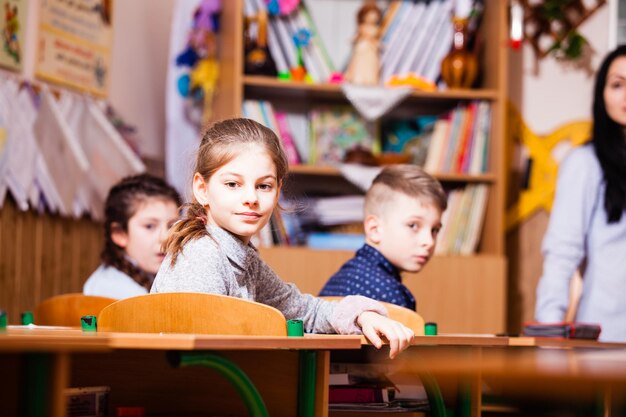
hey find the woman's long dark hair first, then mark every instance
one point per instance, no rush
(121, 204)
(609, 143)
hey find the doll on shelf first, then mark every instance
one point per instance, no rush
(364, 66)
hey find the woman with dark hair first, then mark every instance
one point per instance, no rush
(139, 212)
(587, 228)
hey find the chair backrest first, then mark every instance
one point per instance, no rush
(409, 318)
(192, 313)
(67, 309)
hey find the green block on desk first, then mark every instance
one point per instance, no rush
(88, 323)
(295, 328)
(430, 329)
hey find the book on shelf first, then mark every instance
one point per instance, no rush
(476, 220)
(335, 241)
(335, 130)
(263, 112)
(438, 143)
(281, 30)
(389, 22)
(430, 54)
(421, 30)
(460, 140)
(463, 220)
(293, 157)
(404, 42)
(331, 211)
(428, 65)
(298, 125)
(416, 37)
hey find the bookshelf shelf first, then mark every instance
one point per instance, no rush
(260, 85)
(331, 171)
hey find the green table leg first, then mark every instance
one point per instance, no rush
(36, 374)
(307, 380)
(242, 383)
(435, 399)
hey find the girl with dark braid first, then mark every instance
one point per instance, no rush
(139, 212)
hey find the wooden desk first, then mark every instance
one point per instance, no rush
(134, 367)
(522, 368)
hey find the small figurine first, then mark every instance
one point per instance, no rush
(364, 66)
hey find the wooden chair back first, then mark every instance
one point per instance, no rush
(192, 313)
(409, 318)
(67, 309)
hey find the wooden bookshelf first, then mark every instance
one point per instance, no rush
(490, 260)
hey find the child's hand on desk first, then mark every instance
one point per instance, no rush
(373, 325)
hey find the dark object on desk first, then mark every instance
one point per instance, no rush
(570, 330)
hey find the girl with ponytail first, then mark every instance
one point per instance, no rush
(240, 169)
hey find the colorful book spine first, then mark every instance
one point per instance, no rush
(288, 143)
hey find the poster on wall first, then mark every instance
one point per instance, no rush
(13, 27)
(74, 45)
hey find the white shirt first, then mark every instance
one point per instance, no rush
(107, 281)
(579, 230)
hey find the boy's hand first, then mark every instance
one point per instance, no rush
(373, 325)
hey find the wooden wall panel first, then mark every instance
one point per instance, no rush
(42, 255)
(463, 294)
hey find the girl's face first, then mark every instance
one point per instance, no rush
(615, 91)
(241, 194)
(147, 229)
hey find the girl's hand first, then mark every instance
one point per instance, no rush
(373, 325)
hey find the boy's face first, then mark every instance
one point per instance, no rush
(405, 231)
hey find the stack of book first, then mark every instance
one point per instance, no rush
(357, 386)
(462, 221)
(460, 140)
(416, 38)
(281, 31)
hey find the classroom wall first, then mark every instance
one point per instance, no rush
(548, 93)
(138, 66)
(46, 255)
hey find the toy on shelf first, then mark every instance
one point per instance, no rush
(281, 7)
(301, 38)
(364, 66)
(258, 60)
(459, 68)
(200, 56)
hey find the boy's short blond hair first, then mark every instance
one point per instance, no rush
(407, 179)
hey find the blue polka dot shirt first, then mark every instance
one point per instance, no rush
(370, 274)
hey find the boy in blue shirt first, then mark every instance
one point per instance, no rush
(403, 209)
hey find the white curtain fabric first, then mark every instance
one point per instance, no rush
(182, 138)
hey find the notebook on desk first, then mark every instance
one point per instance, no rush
(569, 330)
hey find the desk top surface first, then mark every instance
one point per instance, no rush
(44, 338)
(47, 338)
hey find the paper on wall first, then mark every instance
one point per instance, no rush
(65, 160)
